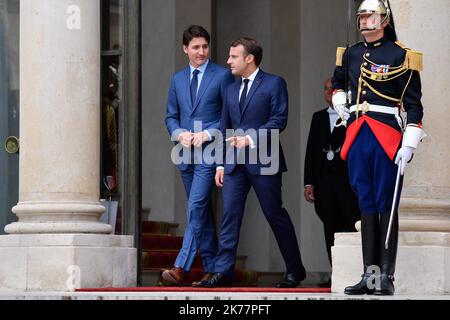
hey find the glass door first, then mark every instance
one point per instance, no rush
(9, 110)
(120, 113)
(112, 110)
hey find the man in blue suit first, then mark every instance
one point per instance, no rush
(256, 108)
(193, 114)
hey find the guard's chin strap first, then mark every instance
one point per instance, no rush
(377, 26)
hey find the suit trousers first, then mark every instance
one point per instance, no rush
(336, 205)
(200, 232)
(268, 190)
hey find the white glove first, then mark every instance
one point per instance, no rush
(339, 100)
(405, 155)
(411, 138)
(413, 135)
(343, 111)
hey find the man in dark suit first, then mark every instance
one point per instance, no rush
(193, 114)
(257, 106)
(326, 174)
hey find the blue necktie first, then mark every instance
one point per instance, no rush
(194, 86)
(243, 95)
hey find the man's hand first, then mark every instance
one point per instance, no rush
(239, 142)
(219, 177)
(404, 154)
(199, 139)
(186, 138)
(309, 194)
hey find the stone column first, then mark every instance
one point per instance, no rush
(424, 243)
(58, 239)
(425, 204)
(59, 120)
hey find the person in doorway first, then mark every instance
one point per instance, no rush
(196, 96)
(326, 175)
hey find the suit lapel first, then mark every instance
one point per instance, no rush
(253, 88)
(235, 96)
(337, 135)
(204, 85)
(326, 123)
(187, 86)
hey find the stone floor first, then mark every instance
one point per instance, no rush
(202, 296)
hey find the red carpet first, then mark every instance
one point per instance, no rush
(191, 289)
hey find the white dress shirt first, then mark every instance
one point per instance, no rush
(201, 70)
(333, 116)
(252, 79)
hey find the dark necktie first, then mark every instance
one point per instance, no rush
(243, 95)
(194, 86)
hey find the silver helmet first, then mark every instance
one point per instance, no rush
(380, 7)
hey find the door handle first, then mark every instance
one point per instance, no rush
(12, 145)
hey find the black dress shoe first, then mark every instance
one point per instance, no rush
(291, 280)
(386, 286)
(361, 287)
(206, 277)
(218, 280)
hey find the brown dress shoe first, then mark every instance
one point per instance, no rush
(206, 277)
(174, 275)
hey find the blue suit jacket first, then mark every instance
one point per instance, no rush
(266, 107)
(181, 113)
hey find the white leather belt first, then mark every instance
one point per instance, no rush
(366, 107)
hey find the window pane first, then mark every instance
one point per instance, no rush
(112, 24)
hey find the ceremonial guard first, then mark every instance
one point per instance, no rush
(375, 82)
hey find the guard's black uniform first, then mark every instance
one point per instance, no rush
(381, 73)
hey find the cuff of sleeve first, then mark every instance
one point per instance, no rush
(309, 185)
(208, 134)
(339, 98)
(176, 133)
(252, 143)
(413, 135)
(220, 168)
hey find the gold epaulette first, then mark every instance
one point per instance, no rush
(414, 59)
(401, 45)
(339, 56)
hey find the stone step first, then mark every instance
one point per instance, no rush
(151, 241)
(159, 227)
(162, 258)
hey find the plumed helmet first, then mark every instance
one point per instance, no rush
(383, 8)
(374, 6)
